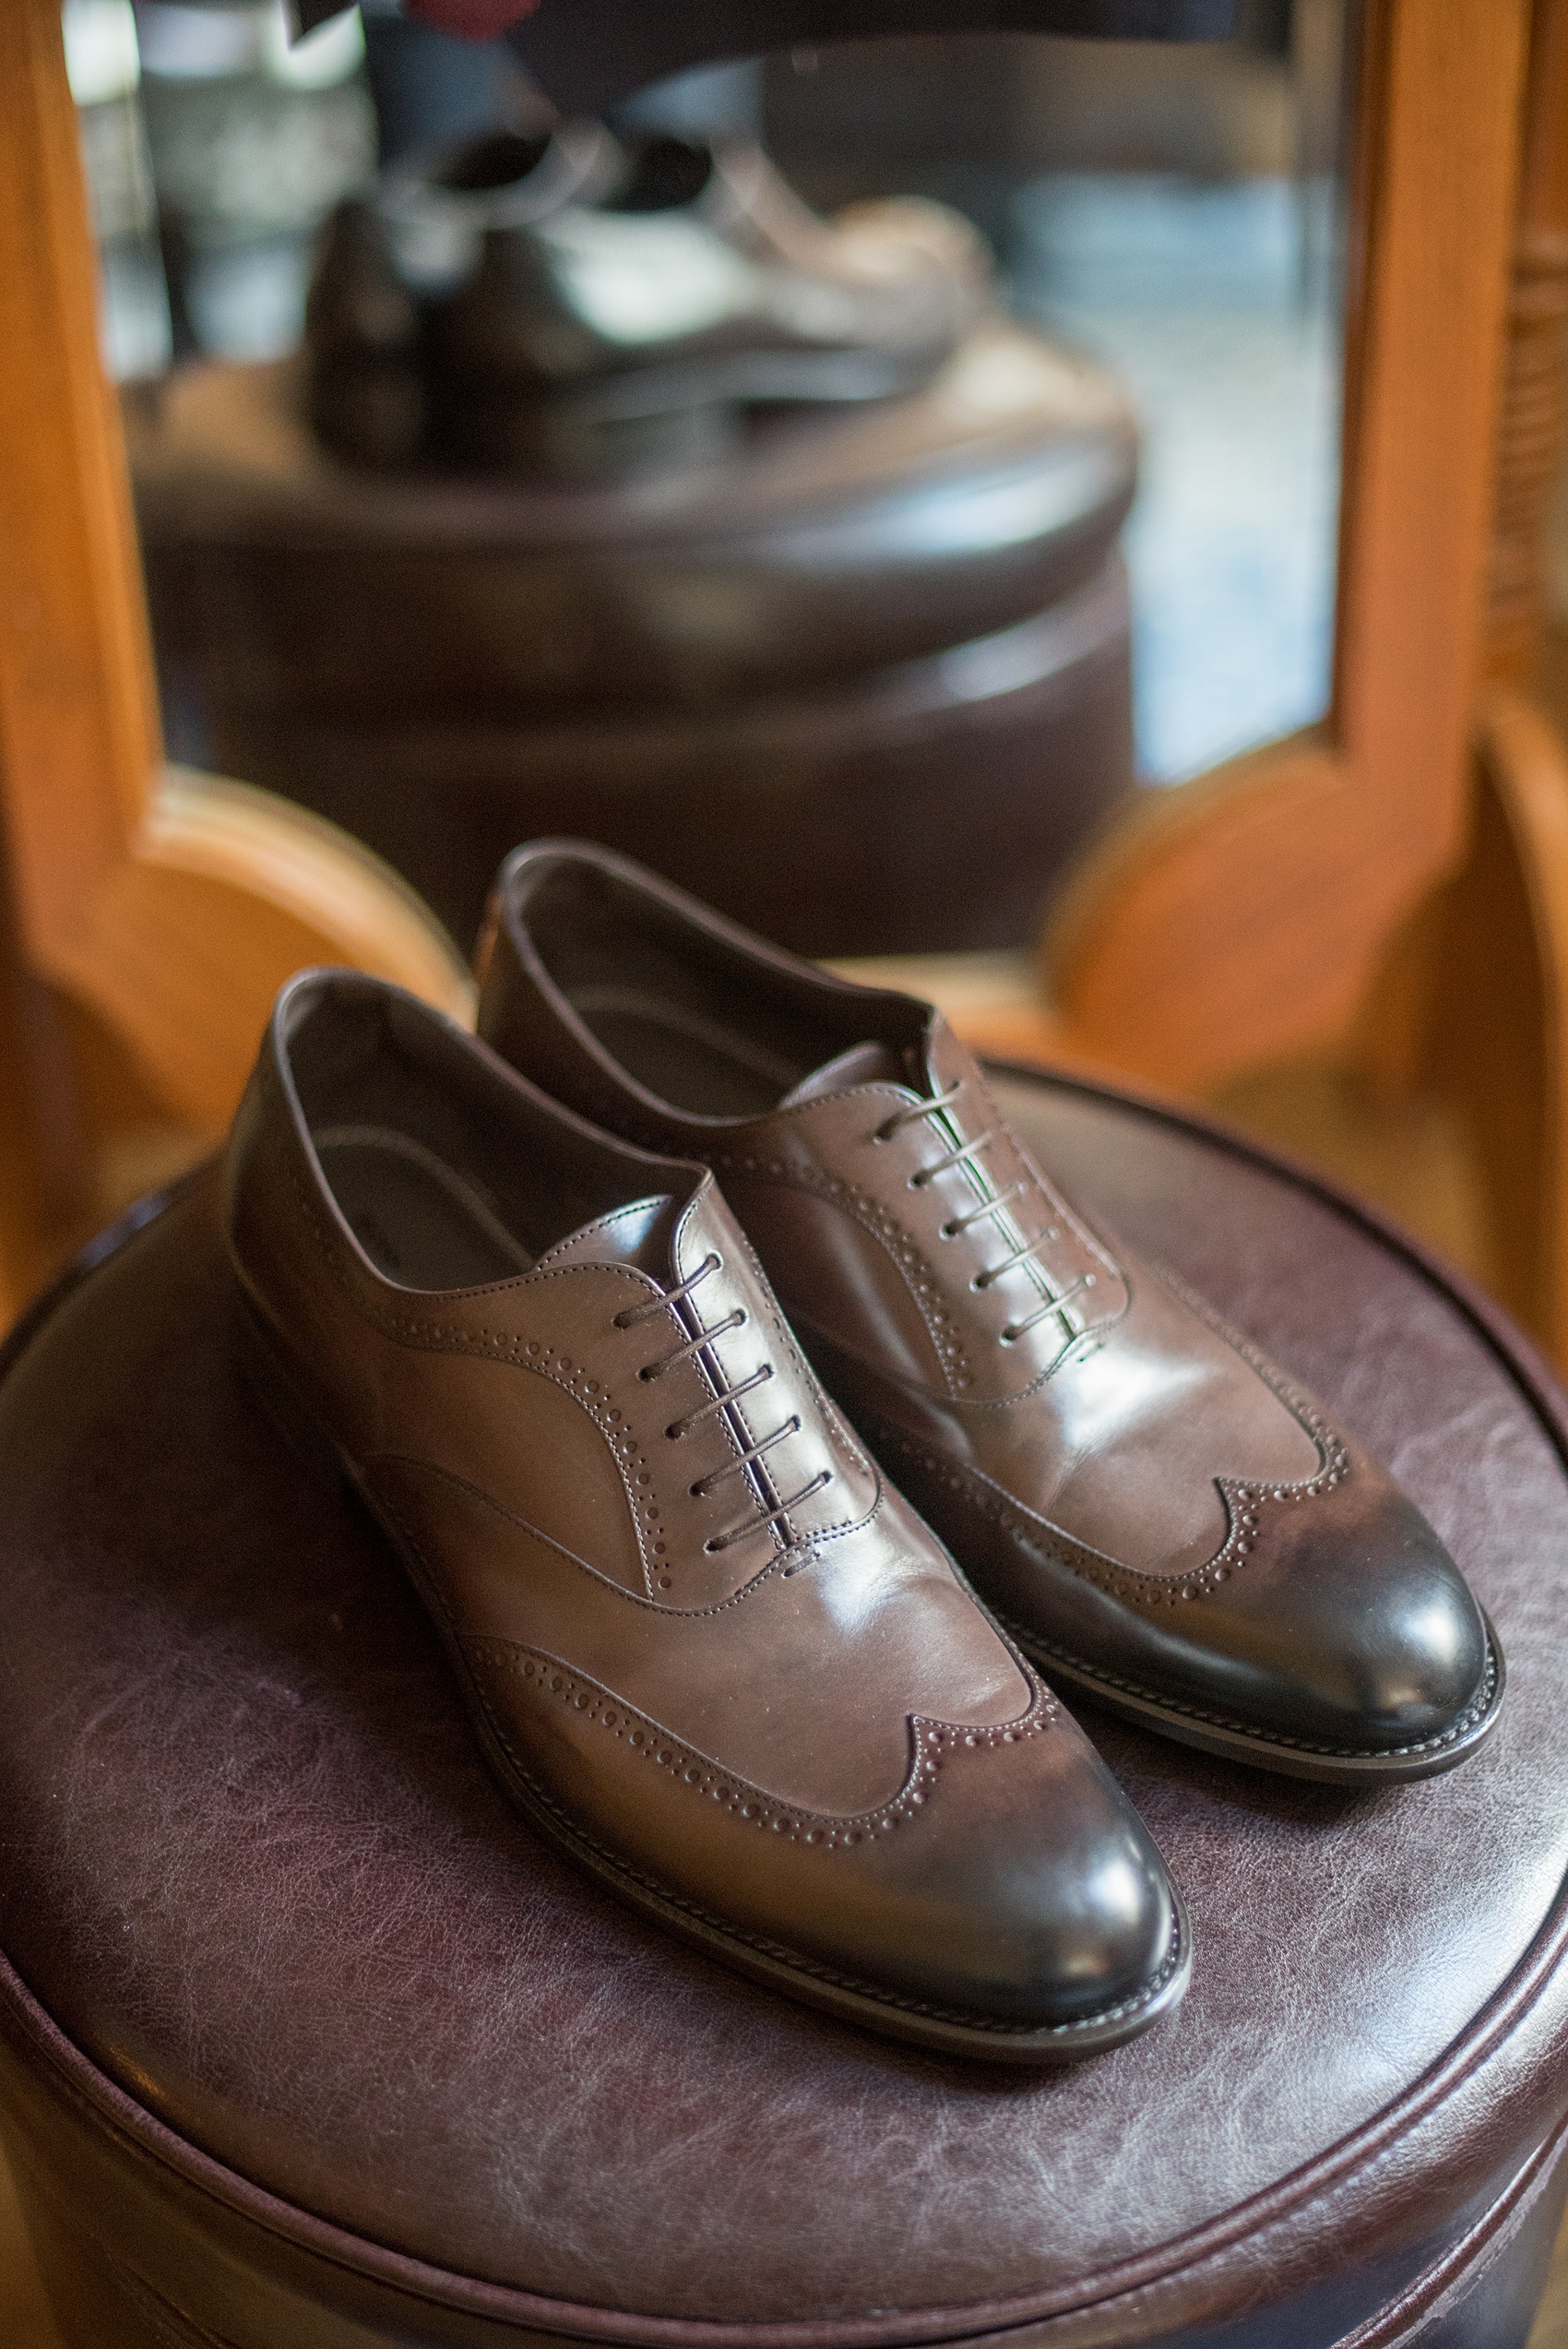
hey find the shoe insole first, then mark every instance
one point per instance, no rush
(420, 1221)
(684, 1057)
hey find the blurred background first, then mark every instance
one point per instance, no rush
(1177, 212)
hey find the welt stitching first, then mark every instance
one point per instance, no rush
(796, 1963)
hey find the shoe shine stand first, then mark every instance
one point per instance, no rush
(303, 2039)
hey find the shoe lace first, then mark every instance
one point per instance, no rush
(967, 1155)
(721, 1400)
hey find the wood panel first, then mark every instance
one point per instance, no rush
(169, 906)
(1244, 916)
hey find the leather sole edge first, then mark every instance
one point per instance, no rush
(1397, 1766)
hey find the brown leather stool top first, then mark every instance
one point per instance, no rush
(304, 2039)
(823, 544)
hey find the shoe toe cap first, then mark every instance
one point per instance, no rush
(1040, 1900)
(1365, 1626)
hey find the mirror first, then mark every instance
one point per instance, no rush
(848, 648)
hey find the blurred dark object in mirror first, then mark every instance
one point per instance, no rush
(252, 143)
(969, 120)
(588, 53)
(569, 302)
(902, 626)
(429, 88)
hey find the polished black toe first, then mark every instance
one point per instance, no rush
(1344, 1645)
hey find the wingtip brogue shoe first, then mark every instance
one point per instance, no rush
(706, 1645)
(1158, 1513)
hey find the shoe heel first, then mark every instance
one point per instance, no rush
(302, 1433)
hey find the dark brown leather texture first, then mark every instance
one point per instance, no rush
(929, 807)
(317, 2042)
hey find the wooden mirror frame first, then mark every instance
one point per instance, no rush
(1242, 916)
(1310, 896)
(1390, 889)
(149, 915)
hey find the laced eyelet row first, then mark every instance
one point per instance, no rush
(967, 1155)
(678, 1428)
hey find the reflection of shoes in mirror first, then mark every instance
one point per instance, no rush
(1162, 1518)
(567, 306)
(593, 337)
(708, 1648)
(384, 259)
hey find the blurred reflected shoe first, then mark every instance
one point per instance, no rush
(384, 260)
(1162, 1518)
(706, 1647)
(567, 306)
(632, 330)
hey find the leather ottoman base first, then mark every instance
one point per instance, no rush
(924, 809)
(105, 2214)
(306, 2040)
(819, 547)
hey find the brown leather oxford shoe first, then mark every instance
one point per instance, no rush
(707, 1646)
(1158, 1514)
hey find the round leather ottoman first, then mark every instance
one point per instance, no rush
(864, 680)
(304, 2039)
(923, 807)
(819, 547)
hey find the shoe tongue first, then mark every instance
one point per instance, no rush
(638, 1234)
(867, 1064)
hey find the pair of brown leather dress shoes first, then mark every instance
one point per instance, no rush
(569, 304)
(707, 1642)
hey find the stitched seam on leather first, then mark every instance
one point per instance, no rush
(1131, 1583)
(638, 1598)
(961, 1368)
(1479, 1707)
(780, 1952)
(796, 1963)
(931, 1738)
(785, 1333)
(435, 1337)
(900, 1245)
